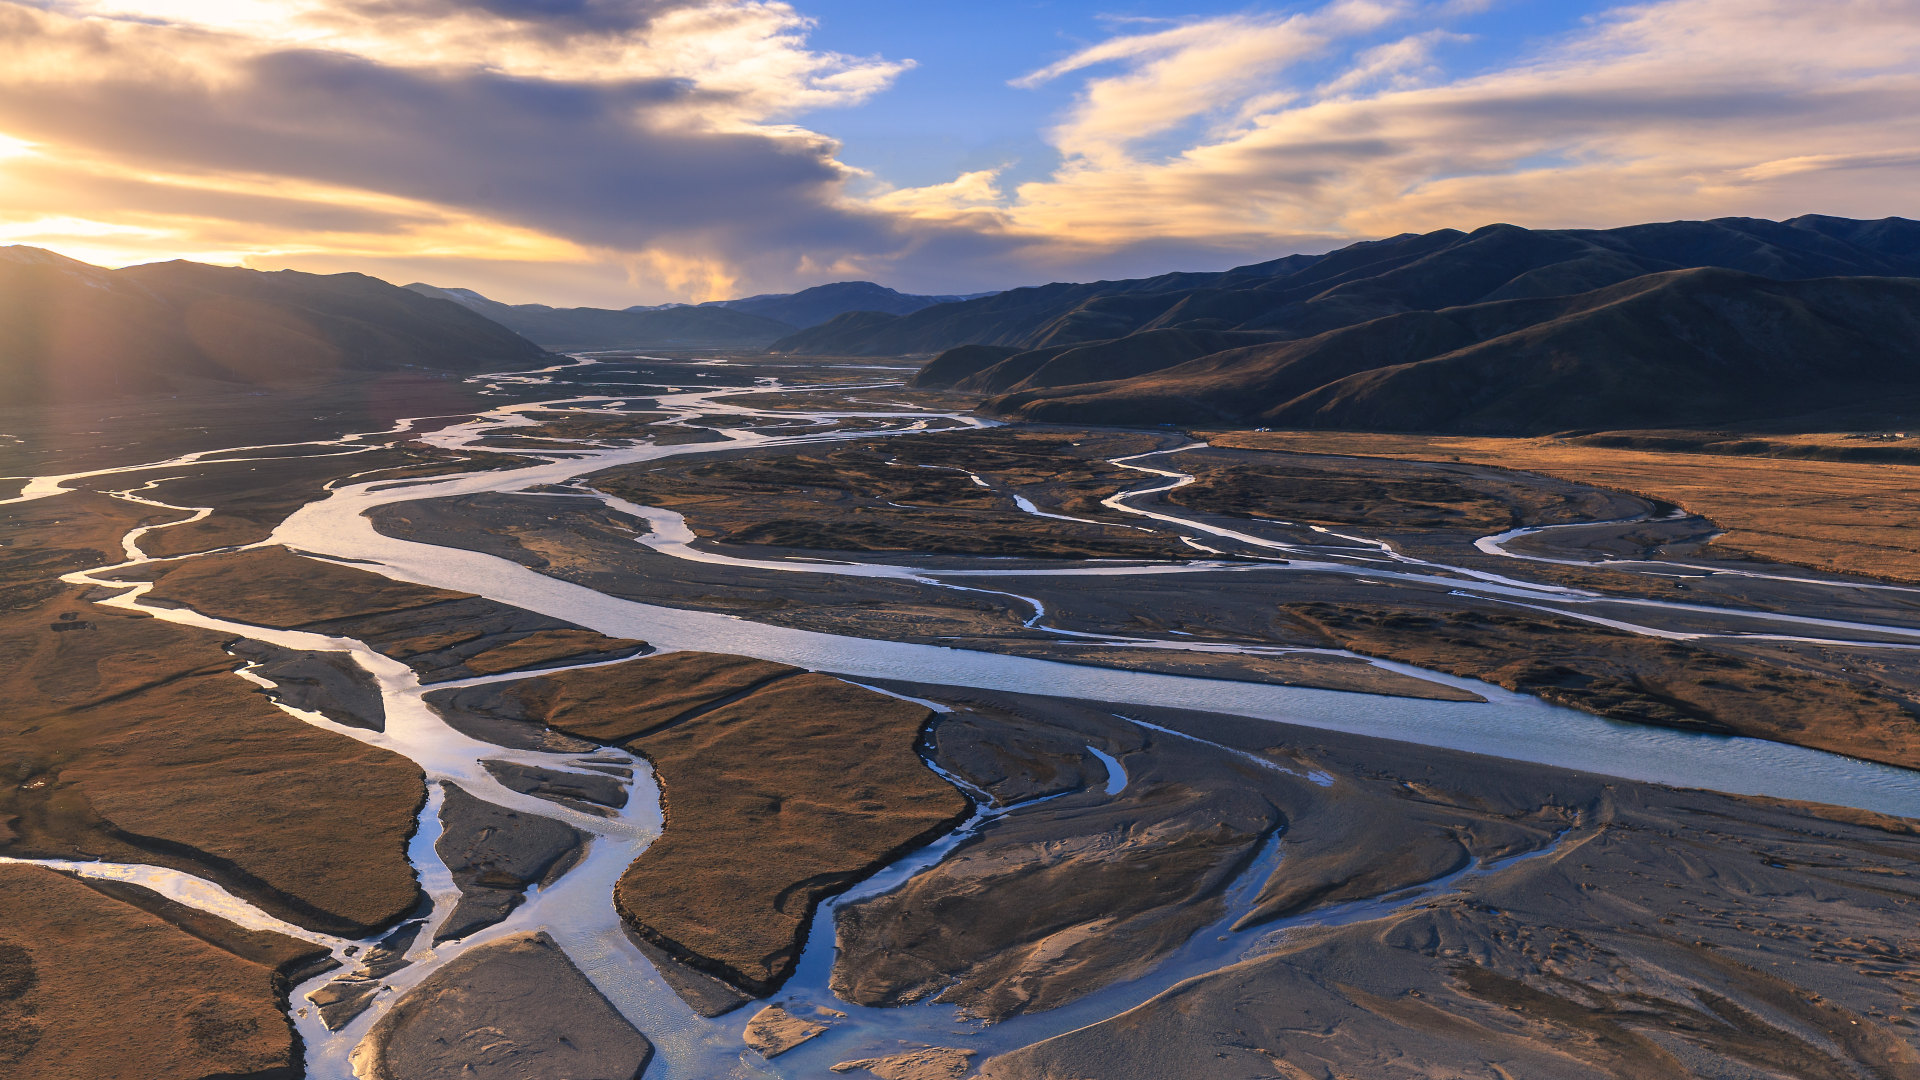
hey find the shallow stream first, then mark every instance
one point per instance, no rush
(577, 908)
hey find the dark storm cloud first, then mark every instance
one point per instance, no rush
(621, 164)
(559, 16)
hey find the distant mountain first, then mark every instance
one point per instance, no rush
(811, 307)
(1500, 331)
(73, 331)
(748, 322)
(1068, 365)
(579, 329)
(1685, 347)
(823, 340)
(1303, 295)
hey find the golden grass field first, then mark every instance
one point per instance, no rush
(1848, 517)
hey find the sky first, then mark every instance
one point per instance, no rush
(616, 152)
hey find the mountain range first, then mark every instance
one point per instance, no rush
(1705, 346)
(1503, 330)
(585, 329)
(811, 307)
(70, 330)
(749, 322)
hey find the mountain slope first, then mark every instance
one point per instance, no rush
(958, 363)
(811, 307)
(1302, 296)
(575, 329)
(1100, 361)
(72, 331)
(820, 340)
(1698, 346)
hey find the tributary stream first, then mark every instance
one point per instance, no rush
(577, 909)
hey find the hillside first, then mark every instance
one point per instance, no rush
(821, 340)
(1702, 346)
(578, 329)
(1303, 295)
(811, 307)
(71, 331)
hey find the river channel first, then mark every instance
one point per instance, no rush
(577, 908)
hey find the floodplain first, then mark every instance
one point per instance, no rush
(764, 718)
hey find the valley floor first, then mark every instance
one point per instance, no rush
(762, 719)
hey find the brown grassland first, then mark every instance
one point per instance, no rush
(94, 987)
(779, 787)
(1844, 516)
(913, 495)
(772, 804)
(249, 503)
(1623, 676)
(128, 739)
(441, 634)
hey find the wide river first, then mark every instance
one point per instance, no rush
(577, 909)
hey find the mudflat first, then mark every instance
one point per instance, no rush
(248, 501)
(1049, 903)
(1424, 914)
(512, 1009)
(1375, 494)
(1327, 508)
(1663, 933)
(495, 854)
(1623, 676)
(1325, 671)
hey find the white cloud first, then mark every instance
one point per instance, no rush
(1683, 108)
(1400, 63)
(1202, 67)
(620, 151)
(651, 133)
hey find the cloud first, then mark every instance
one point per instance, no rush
(967, 195)
(1174, 75)
(621, 151)
(1402, 63)
(1908, 158)
(666, 141)
(1659, 110)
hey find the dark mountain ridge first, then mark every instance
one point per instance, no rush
(73, 331)
(1500, 331)
(1698, 346)
(582, 329)
(749, 322)
(1303, 295)
(811, 307)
